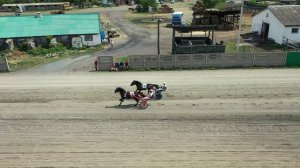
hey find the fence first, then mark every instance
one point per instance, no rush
(293, 59)
(3, 65)
(193, 61)
(105, 62)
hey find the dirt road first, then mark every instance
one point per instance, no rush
(220, 118)
(134, 40)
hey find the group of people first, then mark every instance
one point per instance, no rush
(119, 66)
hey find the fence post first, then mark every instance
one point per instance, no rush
(270, 56)
(144, 61)
(237, 59)
(159, 61)
(205, 60)
(253, 61)
(175, 61)
(190, 59)
(286, 54)
(222, 58)
(8, 69)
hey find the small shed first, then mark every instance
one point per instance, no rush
(224, 20)
(189, 43)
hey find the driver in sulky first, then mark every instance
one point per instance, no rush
(151, 93)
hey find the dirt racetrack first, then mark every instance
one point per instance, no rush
(209, 118)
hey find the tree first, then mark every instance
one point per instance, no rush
(146, 3)
(199, 7)
(212, 3)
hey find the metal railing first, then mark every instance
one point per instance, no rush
(290, 43)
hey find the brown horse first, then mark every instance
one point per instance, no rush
(128, 95)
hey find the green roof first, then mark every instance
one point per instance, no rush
(48, 25)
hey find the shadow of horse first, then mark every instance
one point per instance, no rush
(127, 106)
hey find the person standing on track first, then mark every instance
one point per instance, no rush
(96, 64)
(111, 44)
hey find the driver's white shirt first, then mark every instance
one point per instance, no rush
(144, 86)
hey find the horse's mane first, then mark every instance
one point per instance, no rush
(120, 89)
(136, 82)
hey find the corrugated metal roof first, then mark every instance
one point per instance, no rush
(288, 15)
(34, 4)
(48, 25)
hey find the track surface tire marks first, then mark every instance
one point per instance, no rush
(220, 118)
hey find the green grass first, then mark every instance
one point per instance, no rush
(122, 58)
(270, 45)
(231, 47)
(39, 57)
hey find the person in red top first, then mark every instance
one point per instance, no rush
(96, 64)
(126, 65)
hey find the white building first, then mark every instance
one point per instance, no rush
(278, 22)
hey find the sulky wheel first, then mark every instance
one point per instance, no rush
(144, 105)
(158, 96)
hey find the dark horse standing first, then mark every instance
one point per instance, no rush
(127, 95)
(140, 86)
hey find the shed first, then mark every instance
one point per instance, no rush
(193, 43)
(280, 23)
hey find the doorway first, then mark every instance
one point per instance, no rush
(264, 31)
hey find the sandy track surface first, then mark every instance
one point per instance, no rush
(220, 118)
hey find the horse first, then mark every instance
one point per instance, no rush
(128, 95)
(140, 86)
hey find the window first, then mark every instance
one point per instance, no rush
(88, 37)
(295, 30)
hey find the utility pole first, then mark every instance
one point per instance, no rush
(158, 46)
(240, 26)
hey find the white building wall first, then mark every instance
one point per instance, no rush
(276, 29)
(96, 40)
(292, 36)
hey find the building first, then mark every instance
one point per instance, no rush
(64, 27)
(289, 2)
(124, 2)
(280, 23)
(34, 7)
